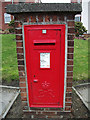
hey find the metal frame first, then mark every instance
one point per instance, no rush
(65, 76)
(46, 23)
(25, 66)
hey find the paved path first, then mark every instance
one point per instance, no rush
(7, 97)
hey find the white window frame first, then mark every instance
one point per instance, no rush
(79, 18)
(7, 18)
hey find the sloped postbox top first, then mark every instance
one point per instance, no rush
(43, 7)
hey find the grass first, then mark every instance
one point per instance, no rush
(9, 59)
(80, 60)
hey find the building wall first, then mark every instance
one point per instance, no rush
(4, 25)
(3, 4)
(89, 17)
(76, 1)
(85, 13)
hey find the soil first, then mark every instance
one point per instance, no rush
(14, 83)
(79, 110)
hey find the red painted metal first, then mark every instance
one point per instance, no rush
(45, 81)
(44, 41)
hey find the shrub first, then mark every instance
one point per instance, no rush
(12, 26)
(79, 29)
(11, 30)
(6, 31)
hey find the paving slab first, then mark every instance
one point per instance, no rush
(83, 91)
(8, 95)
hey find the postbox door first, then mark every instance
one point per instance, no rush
(43, 62)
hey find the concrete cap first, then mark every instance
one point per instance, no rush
(43, 7)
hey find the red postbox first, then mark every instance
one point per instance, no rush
(45, 61)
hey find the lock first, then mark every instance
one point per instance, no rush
(36, 80)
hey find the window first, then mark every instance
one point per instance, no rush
(7, 0)
(7, 18)
(77, 18)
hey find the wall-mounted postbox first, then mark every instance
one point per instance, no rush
(45, 58)
(45, 47)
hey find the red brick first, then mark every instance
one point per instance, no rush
(68, 94)
(33, 18)
(69, 84)
(71, 37)
(70, 16)
(18, 17)
(68, 104)
(19, 44)
(23, 98)
(18, 24)
(70, 56)
(20, 62)
(21, 74)
(48, 113)
(30, 113)
(54, 18)
(22, 84)
(69, 79)
(23, 89)
(23, 94)
(21, 68)
(18, 37)
(37, 108)
(15, 17)
(53, 117)
(71, 23)
(47, 18)
(68, 99)
(70, 43)
(70, 74)
(26, 19)
(18, 31)
(69, 89)
(69, 62)
(69, 68)
(24, 103)
(70, 50)
(20, 56)
(19, 50)
(61, 18)
(40, 18)
(67, 108)
(63, 114)
(53, 109)
(71, 30)
(39, 116)
(22, 79)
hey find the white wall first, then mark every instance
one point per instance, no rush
(85, 13)
(55, 1)
(89, 17)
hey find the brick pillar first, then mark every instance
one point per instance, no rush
(45, 17)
